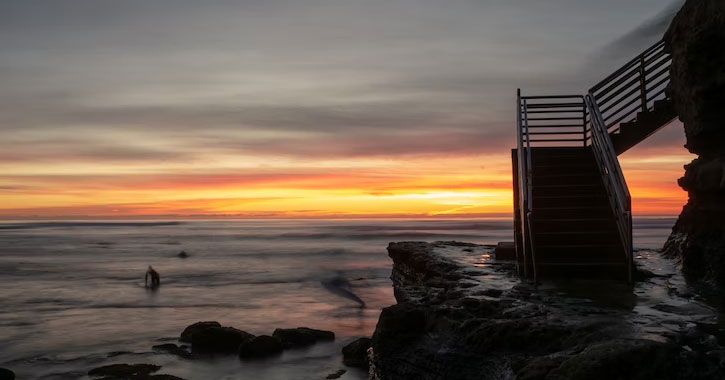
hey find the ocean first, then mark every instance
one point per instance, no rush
(72, 295)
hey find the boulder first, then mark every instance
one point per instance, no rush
(355, 354)
(218, 340)
(188, 332)
(6, 374)
(505, 250)
(302, 336)
(260, 346)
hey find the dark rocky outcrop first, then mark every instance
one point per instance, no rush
(695, 40)
(173, 350)
(355, 353)
(460, 315)
(188, 332)
(260, 347)
(336, 375)
(130, 372)
(218, 340)
(302, 336)
(6, 374)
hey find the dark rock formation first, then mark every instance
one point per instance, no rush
(695, 40)
(260, 346)
(355, 354)
(173, 350)
(6, 374)
(124, 370)
(448, 324)
(130, 372)
(188, 332)
(182, 255)
(302, 336)
(337, 374)
(218, 340)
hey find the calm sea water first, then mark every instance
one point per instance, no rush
(73, 299)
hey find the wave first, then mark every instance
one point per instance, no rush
(22, 226)
(361, 236)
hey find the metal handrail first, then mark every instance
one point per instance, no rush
(613, 178)
(633, 88)
(524, 174)
(564, 122)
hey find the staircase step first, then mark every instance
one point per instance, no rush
(573, 225)
(574, 238)
(588, 177)
(573, 167)
(646, 123)
(597, 212)
(579, 253)
(569, 190)
(551, 201)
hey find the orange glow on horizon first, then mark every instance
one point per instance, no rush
(451, 186)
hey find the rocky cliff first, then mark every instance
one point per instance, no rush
(696, 41)
(461, 315)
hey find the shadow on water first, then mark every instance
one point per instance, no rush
(340, 286)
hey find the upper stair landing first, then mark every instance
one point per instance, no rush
(633, 100)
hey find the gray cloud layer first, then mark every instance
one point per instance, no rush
(282, 77)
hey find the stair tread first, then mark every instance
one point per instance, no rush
(591, 263)
(598, 232)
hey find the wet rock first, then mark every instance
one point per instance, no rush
(6, 374)
(186, 335)
(438, 330)
(336, 375)
(505, 250)
(260, 346)
(218, 340)
(302, 336)
(355, 353)
(182, 255)
(173, 350)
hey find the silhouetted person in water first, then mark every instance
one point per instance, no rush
(155, 279)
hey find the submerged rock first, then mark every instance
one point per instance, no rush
(260, 346)
(355, 354)
(174, 350)
(218, 340)
(188, 332)
(130, 372)
(459, 315)
(6, 374)
(302, 336)
(337, 374)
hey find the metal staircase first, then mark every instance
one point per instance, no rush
(572, 206)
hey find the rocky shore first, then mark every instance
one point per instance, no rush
(209, 339)
(462, 315)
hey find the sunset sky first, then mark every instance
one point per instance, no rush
(300, 108)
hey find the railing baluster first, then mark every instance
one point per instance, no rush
(642, 84)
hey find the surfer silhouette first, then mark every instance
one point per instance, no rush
(155, 278)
